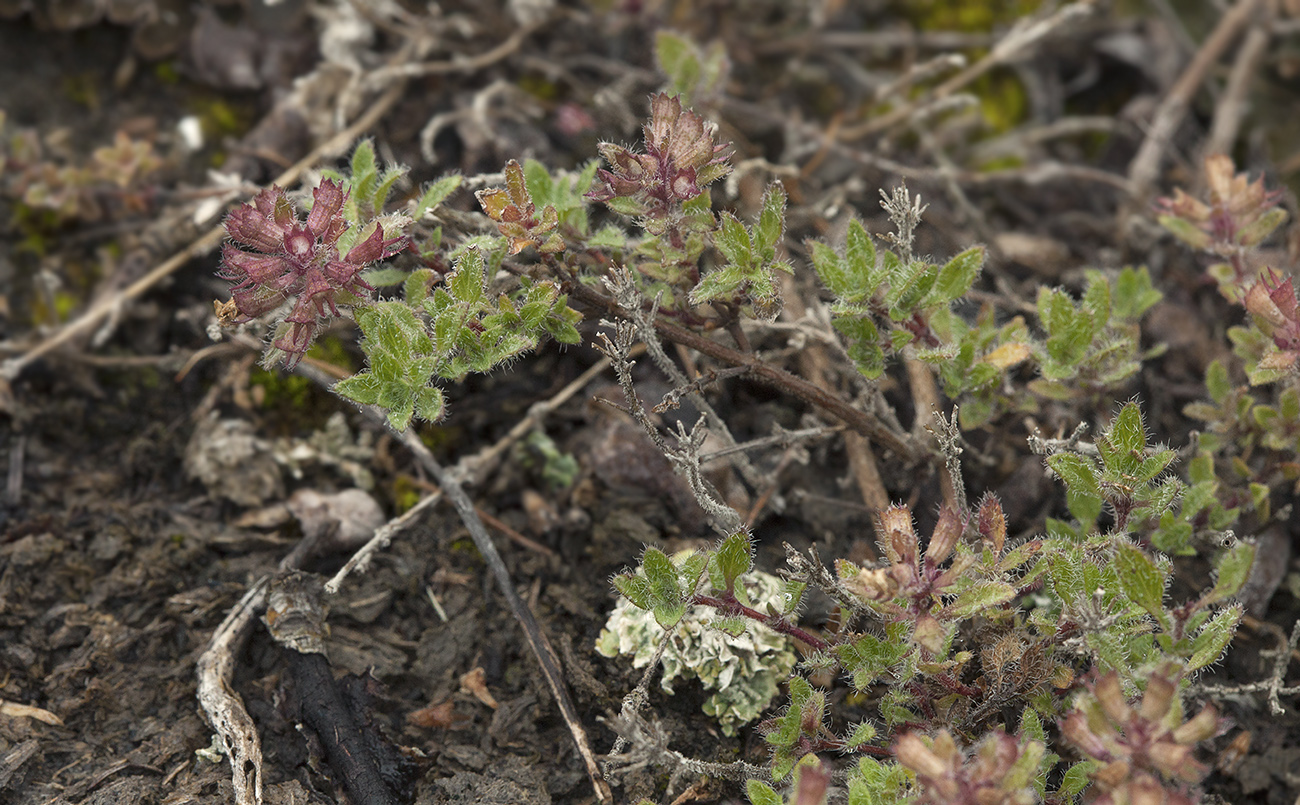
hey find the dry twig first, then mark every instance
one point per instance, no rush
(1144, 168)
(1010, 47)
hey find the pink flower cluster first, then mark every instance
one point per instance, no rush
(1145, 754)
(1240, 213)
(289, 259)
(680, 159)
(1272, 301)
(1000, 772)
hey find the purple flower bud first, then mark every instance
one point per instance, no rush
(297, 260)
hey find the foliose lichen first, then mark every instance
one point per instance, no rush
(744, 670)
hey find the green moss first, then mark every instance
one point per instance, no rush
(166, 72)
(149, 378)
(281, 390)
(82, 89)
(221, 119)
(539, 87)
(438, 437)
(334, 351)
(963, 15)
(405, 493)
(1002, 100)
(302, 402)
(465, 546)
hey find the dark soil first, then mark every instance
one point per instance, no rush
(116, 565)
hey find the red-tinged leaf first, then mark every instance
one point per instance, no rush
(516, 186)
(263, 269)
(493, 201)
(368, 250)
(325, 216)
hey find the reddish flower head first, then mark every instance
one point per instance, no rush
(1144, 753)
(1240, 213)
(296, 259)
(681, 158)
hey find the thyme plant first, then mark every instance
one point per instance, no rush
(983, 668)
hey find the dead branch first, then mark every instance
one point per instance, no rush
(1145, 167)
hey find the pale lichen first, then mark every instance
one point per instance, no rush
(743, 670)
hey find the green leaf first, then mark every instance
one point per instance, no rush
(384, 277)
(626, 205)
(400, 412)
(467, 283)
(771, 221)
(1096, 299)
(662, 575)
(721, 283)
(1078, 473)
(860, 734)
(957, 276)
(863, 345)
(733, 559)
(860, 255)
(669, 615)
(1264, 416)
(429, 404)
(900, 338)
(608, 237)
(876, 783)
(517, 184)
(1134, 294)
(978, 597)
(1031, 726)
(1123, 444)
(1065, 572)
(908, 285)
(385, 187)
(732, 626)
(364, 173)
(361, 388)
(1055, 310)
(1232, 572)
(363, 158)
(1141, 580)
(436, 193)
(1153, 465)
(1200, 470)
(634, 588)
(1214, 637)
(733, 241)
(792, 596)
(1255, 232)
(679, 59)
(1259, 494)
(868, 657)
(832, 271)
(759, 792)
(417, 285)
(691, 568)
(1076, 778)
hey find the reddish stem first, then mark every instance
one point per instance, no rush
(728, 605)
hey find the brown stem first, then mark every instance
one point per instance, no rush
(860, 421)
